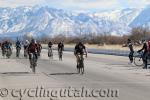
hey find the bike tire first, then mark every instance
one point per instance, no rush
(60, 57)
(82, 68)
(33, 69)
(138, 61)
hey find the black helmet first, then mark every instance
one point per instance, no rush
(129, 40)
(33, 40)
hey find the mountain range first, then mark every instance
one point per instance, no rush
(39, 21)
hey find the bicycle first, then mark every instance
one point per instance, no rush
(138, 59)
(33, 62)
(25, 53)
(3, 52)
(8, 53)
(18, 51)
(80, 64)
(50, 53)
(60, 53)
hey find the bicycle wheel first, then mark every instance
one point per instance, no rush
(33, 69)
(78, 70)
(60, 56)
(138, 61)
(82, 67)
(50, 53)
(18, 53)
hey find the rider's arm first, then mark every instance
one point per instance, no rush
(85, 50)
(75, 50)
(58, 47)
(63, 47)
(144, 46)
(41, 46)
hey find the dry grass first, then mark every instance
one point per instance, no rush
(108, 47)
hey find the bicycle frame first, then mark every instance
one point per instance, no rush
(50, 52)
(33, 62)
(17, 52)
(80, 63)
(60, 54)
(8, 53)
(138, 59)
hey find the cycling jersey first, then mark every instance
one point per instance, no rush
(130, 45)
(60, 46)
(7, 46)
(50, 44)
(79, 48)
(33, 48)
(26, 44)
(18, 44)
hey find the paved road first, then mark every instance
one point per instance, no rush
(107, 77)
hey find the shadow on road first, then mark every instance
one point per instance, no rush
(63, 73)
(16, 73)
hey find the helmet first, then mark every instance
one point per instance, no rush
(80, 42)
(129, 40)
(32, 41)
(27, 41)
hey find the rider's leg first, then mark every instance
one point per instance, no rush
(30, 60)
(77, 59)
(3, 52)
(36, 58)
(131, 57)
(145, 60)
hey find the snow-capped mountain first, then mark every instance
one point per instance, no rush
(143, 19)
(39, 21)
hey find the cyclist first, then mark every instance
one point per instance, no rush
(80, 49)
(130, 45)
(60, 49)
(3, 48)
(32, 49)
(145, 54)
(50, 44)
(8, 47)
(18, 48)
(26, 44)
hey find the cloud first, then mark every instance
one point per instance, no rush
(91, 5)
(16, 3)
(85, 4)
(137, 4)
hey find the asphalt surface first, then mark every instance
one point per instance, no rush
(106, 77)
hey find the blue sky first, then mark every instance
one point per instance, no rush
(89, 5)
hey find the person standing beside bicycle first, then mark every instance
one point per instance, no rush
(79, 51)
(145, 48)
(130, 45)
(39, 48)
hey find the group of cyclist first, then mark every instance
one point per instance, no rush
(6, 47)
(34, 48)
(145, 49)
